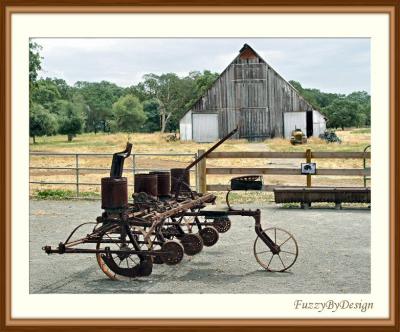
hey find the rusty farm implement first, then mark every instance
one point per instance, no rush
(167, 220)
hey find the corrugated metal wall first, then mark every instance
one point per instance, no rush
(205, 127)
(294, 120)
(185, 127)
(319, 123)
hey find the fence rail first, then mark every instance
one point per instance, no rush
(201, 170)
(307, 155)
(77, 168)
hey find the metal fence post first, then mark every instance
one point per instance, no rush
(77, 173)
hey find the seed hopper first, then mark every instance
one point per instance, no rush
(168, 220)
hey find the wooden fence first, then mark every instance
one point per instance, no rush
(307, 156)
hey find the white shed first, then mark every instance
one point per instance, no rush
(205, 127)
(311, 123)
(185, 127)
(319, 123)
(294, 120)
(200, 127)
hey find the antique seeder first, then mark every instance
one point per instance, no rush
(167, 220)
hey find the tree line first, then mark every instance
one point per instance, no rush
(155, 104)
(352, 110)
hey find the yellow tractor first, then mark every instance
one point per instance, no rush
(298, 137)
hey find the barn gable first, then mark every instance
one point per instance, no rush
(249, 92)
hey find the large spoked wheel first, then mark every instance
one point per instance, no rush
(123, 265)
(284, 259)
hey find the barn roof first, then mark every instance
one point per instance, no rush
(246, 48)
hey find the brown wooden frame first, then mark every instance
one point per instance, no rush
(392, 7)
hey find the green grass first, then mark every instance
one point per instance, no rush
(61, 194)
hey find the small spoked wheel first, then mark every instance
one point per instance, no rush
(286, 255)
(173, 252)
(209, 235)
(222, 224)
(192, 244)
(118, 262)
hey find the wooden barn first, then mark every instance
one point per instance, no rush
(253, 94)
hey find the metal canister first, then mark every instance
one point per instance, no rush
(163, 182)
(176, 174)
(146, 183)
(114, 193)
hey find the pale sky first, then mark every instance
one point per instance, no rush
(340, 65)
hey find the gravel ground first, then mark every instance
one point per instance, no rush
(334, 255)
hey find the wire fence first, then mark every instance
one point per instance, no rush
(78, 168)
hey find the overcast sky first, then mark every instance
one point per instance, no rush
(339, 65)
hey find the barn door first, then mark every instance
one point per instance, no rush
(294, 120)
(254, 124)
(205, 127)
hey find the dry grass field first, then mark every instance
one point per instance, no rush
(352, 140)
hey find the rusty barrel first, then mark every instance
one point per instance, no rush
(114, 193)
(176, 174)
(163, 182)
(146, 183)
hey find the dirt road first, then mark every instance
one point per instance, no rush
(334, 255)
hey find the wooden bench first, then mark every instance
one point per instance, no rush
(338, 195)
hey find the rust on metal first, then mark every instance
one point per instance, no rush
(160, 226)
(114, 193)
(146, 183)
(180, 175)
(163, 183)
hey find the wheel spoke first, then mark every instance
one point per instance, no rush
(261, 252)
(132, 259)
(285, 241)
(288, 252)
(281, 261)
(270, 261)
(286, 261)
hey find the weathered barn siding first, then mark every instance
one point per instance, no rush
(250, 93)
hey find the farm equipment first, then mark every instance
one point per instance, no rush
(163, 224)
(330, 137)
(298, 137)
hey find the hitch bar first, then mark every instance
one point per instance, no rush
(49, 250)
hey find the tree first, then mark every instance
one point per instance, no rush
(166, 88)
(363, 99)
(203, 81)
(128, 114)
(64, 90)
(99, 97)
(70, 119)
(45, 93)
(343, 113)
(41, 122)
(34, 61)
(151, 108)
